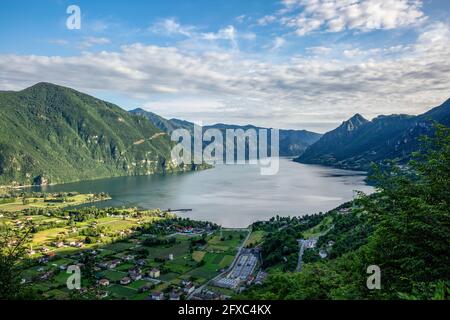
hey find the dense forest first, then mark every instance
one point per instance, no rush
(53, 134)
(404, 229)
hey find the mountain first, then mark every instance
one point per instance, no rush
(163, 124)
(54, 134)
(357, 142)
(292, 142)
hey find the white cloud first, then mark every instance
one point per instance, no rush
(306, 16)
(84, 43)
(266, 20)
(227, 33)
(170, 27)
(278, 43)
(244, 88)
(435, 34)
(241, 18)
(60, 42)
(319, 51)
(92, 41)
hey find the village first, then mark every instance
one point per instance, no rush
(134, 254)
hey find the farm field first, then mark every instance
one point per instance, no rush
(178, 258)
(255, 238)
(19, 204)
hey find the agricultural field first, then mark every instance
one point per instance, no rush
(255, 238)
(15, 204)
(126, 263)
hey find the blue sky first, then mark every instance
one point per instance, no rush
(288, 63)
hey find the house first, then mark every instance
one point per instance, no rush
(208, 295)
(124, 281)
(79, 244)
(141, 262)
(154, 273)
(157, 295)
(58, 244)
(323, 254)
(103, 282)
(135, 274)
(113, 263)
(260, 277)
(46, 275)
(43, 260)
(103, 265)
(188, 287)
(128, 258)
(174, 296)
(187, 230)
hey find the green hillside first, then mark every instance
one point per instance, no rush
(403, 229)
(53, 134)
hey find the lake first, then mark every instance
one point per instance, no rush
(232, 195)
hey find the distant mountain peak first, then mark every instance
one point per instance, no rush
(357, 142)
(43, 85)
(54, 133)
(359, 118)
(354, 122)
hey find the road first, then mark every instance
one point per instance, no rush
(301, 244)
(199, 289)
(309, 243)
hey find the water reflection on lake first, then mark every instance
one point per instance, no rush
(232, 195)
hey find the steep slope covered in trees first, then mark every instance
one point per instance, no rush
(53, 134)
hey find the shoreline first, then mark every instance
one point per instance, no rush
(201, 168)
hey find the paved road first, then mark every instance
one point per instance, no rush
(309, 243)
(301, 244)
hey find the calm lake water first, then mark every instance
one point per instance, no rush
(232, 195)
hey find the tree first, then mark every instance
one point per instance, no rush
(410, 218)
(412, 239)
(12, 253)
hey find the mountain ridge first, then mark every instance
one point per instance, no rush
(55, 134)
(384, 137)
(292, 142)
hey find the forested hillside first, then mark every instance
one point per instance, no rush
(53, 134)
(404, 229)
